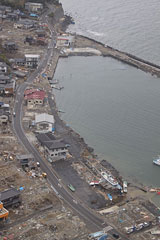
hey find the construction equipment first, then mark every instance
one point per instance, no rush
(3, 212)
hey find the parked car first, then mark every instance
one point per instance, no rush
(115, 235)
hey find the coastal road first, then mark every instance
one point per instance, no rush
(91, 218)
(93, 221)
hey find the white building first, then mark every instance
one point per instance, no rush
(25, 24)
(33, 7)
(65, 40)
(32, 60)
(3, 67)
(4, 117)
(44, 123)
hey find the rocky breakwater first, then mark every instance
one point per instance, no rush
(146, 66)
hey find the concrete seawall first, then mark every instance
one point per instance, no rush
(146, 66)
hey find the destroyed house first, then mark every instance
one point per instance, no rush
(5, 106)
(24, 24)
(3, 67)
(32, 60)
(34, 97)
(5, 9)
(65, 41)
(44, 123)
(33, 7)
(55, 149)
(25, 159)
(10, 197)
(40, 33)
(7, 86)
(12, 16)
(4, 79)
(20, 61)
(10, 46)
(4, 116)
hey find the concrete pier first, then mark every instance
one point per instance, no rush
(146, 66)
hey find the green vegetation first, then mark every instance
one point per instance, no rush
(3, 58)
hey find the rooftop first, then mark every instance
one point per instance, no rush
(3, 64)
(32, 56)
(3, 77)
(24, 156)
(12, 192)
(45, 137)
(44, 117)
(3, 112)
(34, 94)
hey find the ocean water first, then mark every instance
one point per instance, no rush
(131, 26)
(116, 108)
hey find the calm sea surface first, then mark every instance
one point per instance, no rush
(115, 107)
(131, 26)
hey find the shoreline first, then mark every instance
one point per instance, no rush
(138, 185)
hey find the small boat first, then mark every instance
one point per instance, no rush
(53, 81)
(93, 183)
(109, 178)
(157, 161)
(125, 186)
(60, 111)
(57, 87)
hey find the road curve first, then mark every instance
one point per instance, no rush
(93, 221)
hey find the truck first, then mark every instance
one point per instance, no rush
(70, 186)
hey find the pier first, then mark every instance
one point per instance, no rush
(107, 51)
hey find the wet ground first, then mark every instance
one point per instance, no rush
(83, 191)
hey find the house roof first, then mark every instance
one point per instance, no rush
(24, 156)
(19, 73)
(3, 77)
(3, 112)
(33, 4)
(34, 94)
(44, 117)
(32, 56)
(54, 144)
(3, 64)
(12, 192)
(48, 140)
(42, 137)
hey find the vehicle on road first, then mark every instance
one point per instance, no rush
(14, 114)
(44, 175)
(70, 186)
(115, 235)
(68, 145)
(75, 201)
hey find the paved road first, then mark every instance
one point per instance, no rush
(93, 221)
